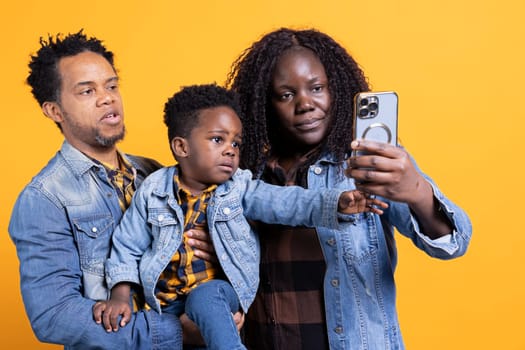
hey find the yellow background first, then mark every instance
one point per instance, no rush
(456, 65)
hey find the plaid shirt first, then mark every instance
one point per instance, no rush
(288, 311)
(186, 271)
(121, 179)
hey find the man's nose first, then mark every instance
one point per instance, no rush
(105, 97)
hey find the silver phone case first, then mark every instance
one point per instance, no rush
(375, 116)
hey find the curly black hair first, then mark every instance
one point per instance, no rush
(44, 77)
(182, 110)
(250, 76)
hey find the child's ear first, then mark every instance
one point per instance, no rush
(53, 111)
(179, 146)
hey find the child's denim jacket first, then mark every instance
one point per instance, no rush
(151, 229)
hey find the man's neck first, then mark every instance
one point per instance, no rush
(108, 156)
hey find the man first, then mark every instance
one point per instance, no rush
(63, 220)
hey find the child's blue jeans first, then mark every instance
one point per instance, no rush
(210, 305)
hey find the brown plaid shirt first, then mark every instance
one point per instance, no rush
(288, 312)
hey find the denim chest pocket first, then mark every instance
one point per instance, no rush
(231, 223)
(164, 226)
(93, 237)
(359, 239)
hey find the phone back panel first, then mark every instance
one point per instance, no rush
(375, 116)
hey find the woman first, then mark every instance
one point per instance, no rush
(330, 288)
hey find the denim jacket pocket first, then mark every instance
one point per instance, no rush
(93, 236)
(231, 223)
(163, 227)
(359, 239)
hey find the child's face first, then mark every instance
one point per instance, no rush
(212, 148)
(300, 98)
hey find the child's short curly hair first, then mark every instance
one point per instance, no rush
(181, 111)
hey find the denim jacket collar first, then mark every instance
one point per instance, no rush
(79, 163)
(165, 188)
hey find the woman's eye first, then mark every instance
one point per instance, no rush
(317, 88)
(236, 144)
(286, 96)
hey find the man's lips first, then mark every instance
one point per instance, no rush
(111, 117)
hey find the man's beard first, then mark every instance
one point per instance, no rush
(110, 141)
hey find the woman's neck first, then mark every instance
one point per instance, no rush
(289, 158)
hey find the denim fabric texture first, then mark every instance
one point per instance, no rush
(151, 229)
(361, 257)
(62, 224)
(211, 305)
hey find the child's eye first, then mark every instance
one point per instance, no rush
(236, 144)
(216, 139)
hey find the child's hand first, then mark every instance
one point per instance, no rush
(353, 202)
(108, 312)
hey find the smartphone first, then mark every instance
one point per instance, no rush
(375, 116)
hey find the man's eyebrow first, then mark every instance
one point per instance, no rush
(89, 82)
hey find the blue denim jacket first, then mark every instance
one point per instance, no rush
(361, 257)
(151, 230)
(61, 225)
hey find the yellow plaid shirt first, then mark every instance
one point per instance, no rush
(186, 271)
(122, 180)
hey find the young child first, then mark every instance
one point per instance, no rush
(206, 190)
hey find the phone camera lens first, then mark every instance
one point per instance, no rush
(363, 112)
(364, 102)
(373, 106)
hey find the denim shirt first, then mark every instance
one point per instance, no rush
(361, 257)
(151, 230)
(62, 224)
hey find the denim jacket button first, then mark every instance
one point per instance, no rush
(338, 330)
(160, 217)
(331, 242)
(226, 211)
(335, 282)
(94, 229)
(318, 170)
